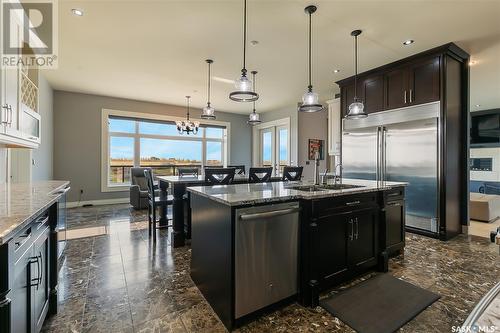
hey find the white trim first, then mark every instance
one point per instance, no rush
(334, 127)
(105, 113)
(283, 122)
(73, 204)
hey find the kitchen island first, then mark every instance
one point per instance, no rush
(256, 246)
(28, 253)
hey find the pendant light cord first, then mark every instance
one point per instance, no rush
(244, 70)
(187, 118)
(208, 102)
(355, 68)
(253, 78)
(310, 29)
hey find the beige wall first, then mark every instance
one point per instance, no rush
(312, 126)
(77, 138)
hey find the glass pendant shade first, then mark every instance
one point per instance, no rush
(357, 110)
(243, 91)
(310, 102)
(254, 118)
(208, 112)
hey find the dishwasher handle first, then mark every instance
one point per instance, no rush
(273, 213)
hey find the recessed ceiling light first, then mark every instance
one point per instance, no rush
(478, 105)
(77, 12)
(336, 70)
(408, 42)
(472, 62)
(254, 42)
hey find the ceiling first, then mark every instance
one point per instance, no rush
(155, 50)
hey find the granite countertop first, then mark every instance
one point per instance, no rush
(20, 203)
(245, 194)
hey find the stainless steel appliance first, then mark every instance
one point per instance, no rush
(266, 252)
(399, 145)
(61, 220)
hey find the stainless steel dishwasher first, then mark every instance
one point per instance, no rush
(266, 252)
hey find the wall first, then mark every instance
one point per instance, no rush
(42, 168)
(312, 126)
(77, 137)
(3, 165)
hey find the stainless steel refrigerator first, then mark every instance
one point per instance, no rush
(399, 145)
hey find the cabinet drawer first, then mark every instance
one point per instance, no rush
(327, 206)
(24, 239)
(394, 194)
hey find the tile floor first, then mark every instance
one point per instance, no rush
(114, 280)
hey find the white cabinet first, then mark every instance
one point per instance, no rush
(334, 127)
(19, 119)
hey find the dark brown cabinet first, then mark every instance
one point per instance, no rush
(40, 280)
(362, 247)
(396, 87)
(372, 93)
(423, 81)
(393, 219)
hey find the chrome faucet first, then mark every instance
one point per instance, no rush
(337, 176)
(316, 168)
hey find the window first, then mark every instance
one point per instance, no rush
(271, 145)
(132, 140)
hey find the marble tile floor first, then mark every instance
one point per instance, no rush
(116, 281)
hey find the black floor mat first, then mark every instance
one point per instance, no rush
(381, 304)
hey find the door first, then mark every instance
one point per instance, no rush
(372, 93)
(359, 153)
(21, 292)
(331, 247)
(396, 86)
(362, 248)
(40, 278)
(424, 81)
(412, 157)
(274, 148)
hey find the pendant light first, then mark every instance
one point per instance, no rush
(310, 100)
(208, 111)
(254, 118)
(243, 92)
(187, 126)
(356, 108)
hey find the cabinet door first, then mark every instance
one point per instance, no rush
(394, 223)
(347, 98)
(396, 86)
(331, 247)
(40, 276)
(362, 250)
(372, 93)
(424, 81)
(21, 293)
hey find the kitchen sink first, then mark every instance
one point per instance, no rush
(339, 186)
(307, 188)
(315, 188)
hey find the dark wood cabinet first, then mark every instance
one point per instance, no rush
(396, 87)
(347, 98)
(40, 280)
(372, 93)
(393, 219)
(20, 294)
(362, 248)
(423, 81)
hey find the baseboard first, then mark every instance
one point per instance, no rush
(465, 229)
(97, 202)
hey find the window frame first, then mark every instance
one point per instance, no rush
(106, 135)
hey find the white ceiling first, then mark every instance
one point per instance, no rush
(155, 50)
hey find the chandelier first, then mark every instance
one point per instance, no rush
(187, 126)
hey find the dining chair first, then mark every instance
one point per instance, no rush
(240, 169)
(260, 175)
(221, 176)
(155, 201)
(292, 173)
(187, 172)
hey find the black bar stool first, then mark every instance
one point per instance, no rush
(260, 175)
(154, 201)
(292, 173)
(222, 176)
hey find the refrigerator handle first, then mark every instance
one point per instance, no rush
(384, 155)
(379, 152)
